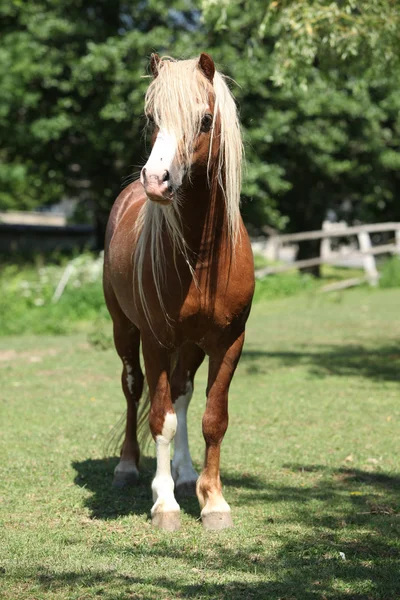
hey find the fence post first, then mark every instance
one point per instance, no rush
(397, 240)
(63, 282)
(371, 271)
(326, 248)
(272, 248)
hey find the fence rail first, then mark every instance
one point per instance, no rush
(26, 239)
(337, 231)
(365, 251)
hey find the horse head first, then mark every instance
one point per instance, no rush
(180, 109)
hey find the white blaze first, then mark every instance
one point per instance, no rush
(162, 155)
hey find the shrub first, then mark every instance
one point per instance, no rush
(283, 284)
(100, 335)
(26, 297)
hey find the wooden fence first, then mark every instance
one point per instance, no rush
(365, 251)
(30, 232)
(29, 239)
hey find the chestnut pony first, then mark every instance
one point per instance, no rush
(179, 277)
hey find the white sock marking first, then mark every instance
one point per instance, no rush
(163, 484)
(182, 467)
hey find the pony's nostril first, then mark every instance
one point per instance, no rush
(165, 176)
(144, 174)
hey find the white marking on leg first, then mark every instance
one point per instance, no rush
(182, 466)
(163, 484)
(129, 377)
(215, 503)
(211, 501)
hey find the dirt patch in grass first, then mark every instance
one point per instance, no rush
(34, 356)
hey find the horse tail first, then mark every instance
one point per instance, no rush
(143, 428)
(113, 440)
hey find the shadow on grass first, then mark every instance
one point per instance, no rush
(287, 587)
(108, 502)
(336, 538)
(381, 363)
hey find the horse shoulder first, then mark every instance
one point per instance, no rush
(129, 202)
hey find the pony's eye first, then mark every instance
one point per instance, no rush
(150, 119)
(206, 123)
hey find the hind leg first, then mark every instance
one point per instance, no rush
(183, 473)
(127, 343)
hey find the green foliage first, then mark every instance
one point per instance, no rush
(318, 96)
(26, 297)
(303, 30)
(260, 261)
(319, 106)
(390, 273)
(100, 335)
(283, 284)
(71, 99)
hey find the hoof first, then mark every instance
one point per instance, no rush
(185, 489)
(169, 521)
(215, 521)
(124, 479)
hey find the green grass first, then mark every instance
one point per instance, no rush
(310, 466)
(390, 273)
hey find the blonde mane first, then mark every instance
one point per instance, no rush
(177, 98)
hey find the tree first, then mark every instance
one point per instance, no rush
(319, 106)
(71, 99)
(318, 100)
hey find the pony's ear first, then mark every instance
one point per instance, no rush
(206, 65)
(154, 62)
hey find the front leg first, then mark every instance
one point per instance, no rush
(216, 513)
(185, 477)
(165, 512)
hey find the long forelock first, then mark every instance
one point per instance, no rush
(176, 100)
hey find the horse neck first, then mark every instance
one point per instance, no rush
(203, 214)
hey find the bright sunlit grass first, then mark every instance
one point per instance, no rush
(310, 466)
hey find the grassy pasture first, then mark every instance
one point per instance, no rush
(310, 466)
